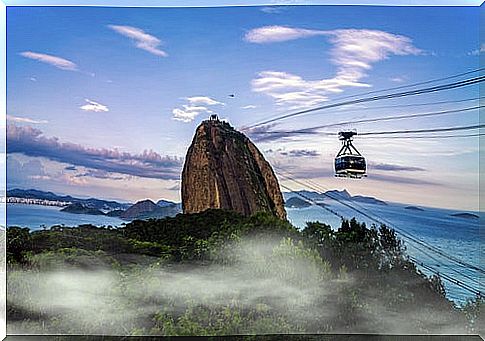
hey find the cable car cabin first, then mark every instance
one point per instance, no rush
(349, 162)
(350, 166)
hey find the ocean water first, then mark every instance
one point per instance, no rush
(459, 237)
(455, 236)
(36, 217)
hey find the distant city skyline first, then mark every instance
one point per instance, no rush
(104, 102)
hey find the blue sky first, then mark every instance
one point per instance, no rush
(104, 101)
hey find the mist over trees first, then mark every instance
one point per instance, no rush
(220, 273)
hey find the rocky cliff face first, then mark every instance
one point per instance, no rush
(224, 169)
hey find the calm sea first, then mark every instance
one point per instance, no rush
(36, 217)
(456, 236)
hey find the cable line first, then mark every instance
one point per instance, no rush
(384, 222)
(447, 277)
(414, 84)
(471, 279)
(373, 133)
(410, 85)
(436, 88)
(313, 202)
(431, 137)
(423, 130)
(410, 105)
(444, 276)
(312, 130)
(429, 268)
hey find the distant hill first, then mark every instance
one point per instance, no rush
(79, 208)
(334, 194)
(99, 204)
(165, 203)
(307, 194)
(341, 195)
(115, 213)
(296, 202)
(413, 208)
(146, 209)
(141, 210)
(368, 200)
(465, 215)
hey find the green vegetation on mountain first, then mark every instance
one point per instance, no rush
(218, 272)
(79, 208)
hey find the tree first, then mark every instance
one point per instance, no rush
(19, 242)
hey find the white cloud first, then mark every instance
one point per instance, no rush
(478, 51)
(142, 39)
(203, 100)
(249, 107)
(353, 52)
(271, 9)
(24, 120)
(272, 34)
(58, 62)
(94, 106)
(289, 89)
(196, 105)
(397, 79)
(187, 115)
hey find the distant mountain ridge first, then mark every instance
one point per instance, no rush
(143, 209)
(90, 202)
(343, 195)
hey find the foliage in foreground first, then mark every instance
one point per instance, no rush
(219, 273)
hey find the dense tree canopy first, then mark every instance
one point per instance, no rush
(351, 279)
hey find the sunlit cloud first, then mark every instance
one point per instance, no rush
(272, 34)
(397, 79)
(58, 62)
(395, 168)
(300, 153)
(265, 133)
(353, 52)
(142, 39)
(100, 174)
(188, 113)
(196, 105)
(296, 153)
(249, 107)
(94, 106)
(17, 119)
(203, 100)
